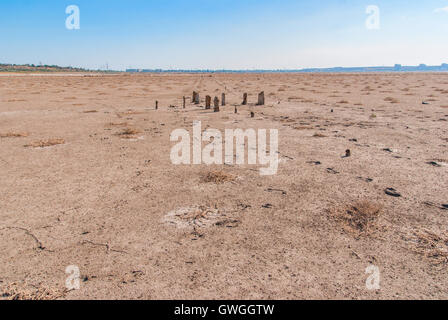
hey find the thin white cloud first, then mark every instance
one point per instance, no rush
(445, 9)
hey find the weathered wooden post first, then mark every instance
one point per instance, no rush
(157, 105)
(216, 104)
(244, 99)
(184, 101)
(208, 102)
(223, 99)
(196, 97)
(236, 110)
(260, 99)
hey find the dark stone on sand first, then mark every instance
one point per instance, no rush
(283, 192)
(392, 192)
(434, 164)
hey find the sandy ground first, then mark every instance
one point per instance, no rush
(103, 201)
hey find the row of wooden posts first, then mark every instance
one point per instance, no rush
(208, 101)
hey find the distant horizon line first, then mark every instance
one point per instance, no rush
(395, 68)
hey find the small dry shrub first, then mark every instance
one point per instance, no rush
(13, 135)
(45, 143)
(391, 100)
(319, 135)
(302, 128)
(217, 177)
(14, 291)
(128, 133)
(117, 124)
(432, 245)
(131, 112)
(358, 218)
(197, 216)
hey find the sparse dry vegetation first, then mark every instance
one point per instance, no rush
(128, 133)
(15, 291)
(217, 177)
(391, 100)
(117, 124)
(319, 135)
(432, 245)
(131, 112)
(45, 143)
(357, 218)
(13, 135)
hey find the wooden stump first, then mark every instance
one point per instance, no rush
(184, 101)
(216, 104)
(208, 102)
(244, 99)
(223, 99)
(195, 97)
(157, 105)
(260, 99)
(252, 115)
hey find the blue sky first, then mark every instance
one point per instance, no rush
(216, 34)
